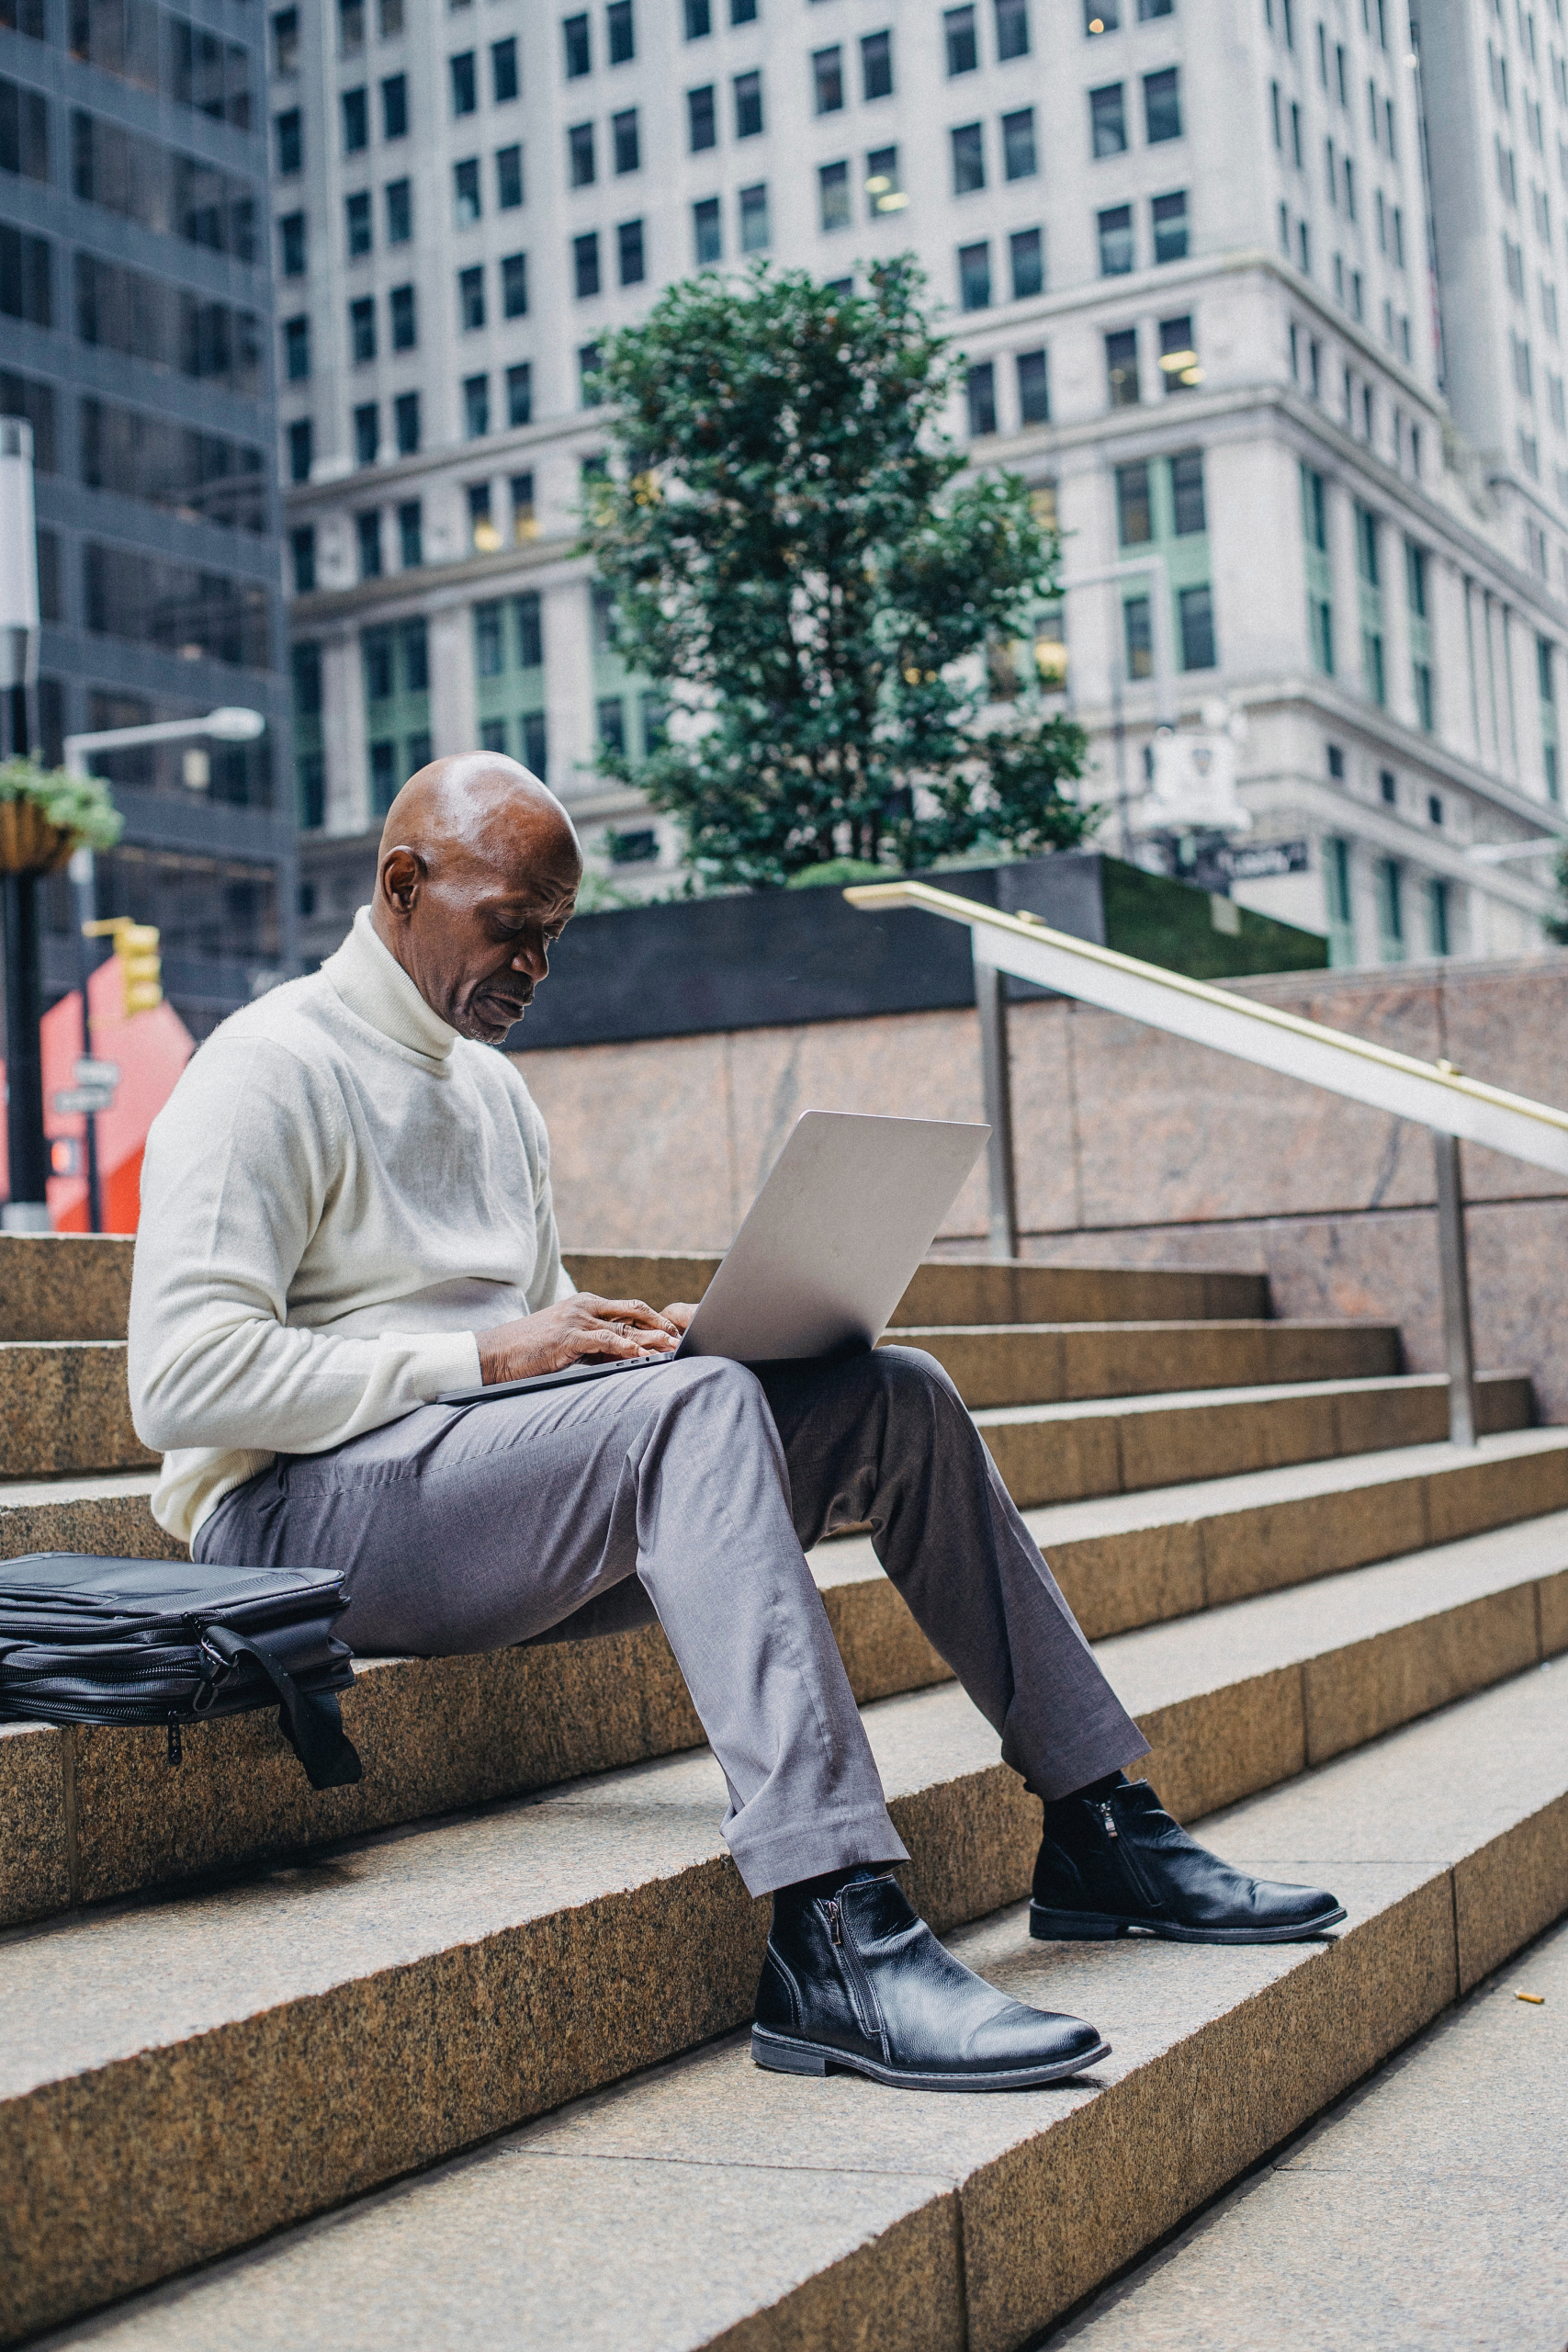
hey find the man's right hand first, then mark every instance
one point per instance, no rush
(579, 1330)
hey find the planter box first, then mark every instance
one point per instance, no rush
(777, 958)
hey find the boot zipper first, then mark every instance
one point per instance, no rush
(835, 1924)
(1129, 1860)
(867, 2012)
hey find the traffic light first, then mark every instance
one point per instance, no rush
(141, 966)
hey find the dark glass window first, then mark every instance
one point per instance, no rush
(400, 212)
(288, 136)
(1135, 515)
(1196, 609)
(579, 154)
(514, 286)
(611, 719)
(503, 70)
(622, 32)
(301, 448)
(356, 222)
(415, 646)
(1171, 226)
(489, 656)
(528, 612)
(968, 158)
(585, 263)
(405, 420)
(395, 107)
(284, 41)
(963, 43)
(362, 330)
(699, 19)
(471, 298)
(465, 83)
(1121, 368)
(1017, 144)
(974, 277)
(742, 12)
(1137, 622)
(297, 349)
(1027, 253)
(628, 241)
(833, 195)
(1033, 389)
(877, 65)
(707, 235)
(1107, 120)
(292, 241)
(356, 122)
(367, 529)
(828, 79)
(754, 230)
(508, 179)
(574, 43)
(405, 320)
(520, 394)
(883, 186)
(466, 191)
(624, 133)
(383, 776)
(534, 744)
(1162, 106)
(367, 433)
(302, 547)
(524, 524)
(1013, 30)
(588, 376)
(1178, 360)
(980, 394)
(702, 119)
(375, 656)
(476, 406)
(747, 105)
(1116, 240)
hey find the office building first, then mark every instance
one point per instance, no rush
(136, 327)
(1204, 297)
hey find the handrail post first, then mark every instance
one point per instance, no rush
(995, 1081)
(1458, 1339)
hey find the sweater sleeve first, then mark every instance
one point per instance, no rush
(237, 1167)
(551, 1282)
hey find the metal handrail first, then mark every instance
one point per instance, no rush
(1435, 1094)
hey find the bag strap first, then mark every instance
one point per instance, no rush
(310, 1722)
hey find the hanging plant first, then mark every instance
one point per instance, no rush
(45, 813)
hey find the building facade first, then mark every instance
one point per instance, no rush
(136, 333)
(1193, 261)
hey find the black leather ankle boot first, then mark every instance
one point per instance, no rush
(1117, 1861)
(857, 1980)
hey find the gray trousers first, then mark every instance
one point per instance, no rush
(687, 1491)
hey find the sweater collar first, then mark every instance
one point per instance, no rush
(372, 983)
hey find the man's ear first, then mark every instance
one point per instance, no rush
(403, 878)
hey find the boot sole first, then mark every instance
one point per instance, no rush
(1102, 1926)
(782, 2054)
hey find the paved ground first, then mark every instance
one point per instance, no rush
(1429, 2210)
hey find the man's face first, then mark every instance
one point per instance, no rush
(476, 938)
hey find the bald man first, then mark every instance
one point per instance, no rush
(346, 1212)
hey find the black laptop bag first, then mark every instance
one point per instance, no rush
(95, 1641)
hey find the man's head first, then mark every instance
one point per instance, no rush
(478, 875)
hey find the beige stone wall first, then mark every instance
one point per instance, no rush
(1134, 1148)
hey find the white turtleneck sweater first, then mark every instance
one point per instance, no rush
(338, 1195)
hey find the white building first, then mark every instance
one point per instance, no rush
(1185, 245)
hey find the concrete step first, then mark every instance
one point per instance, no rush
(86, 1816)
(63, 1286)
(1047, 1363)
(1426, 2208)
(707, 2203)
(64, 1406)
(179, 2078)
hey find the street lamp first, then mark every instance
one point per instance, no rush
(231, 723)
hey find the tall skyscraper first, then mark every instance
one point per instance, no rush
(1188, 251)
(136, 333)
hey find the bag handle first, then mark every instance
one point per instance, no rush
(311, 1723)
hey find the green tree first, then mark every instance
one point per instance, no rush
(794, 568)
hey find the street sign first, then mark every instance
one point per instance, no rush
(1260, 860)
(72, 1102)
(88, 1071)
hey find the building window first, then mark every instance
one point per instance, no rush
(524, 524)
(699, 19)
(707, 234)
(1437, 917)
(302, 436)
(285, 41)
(963, 45)
(1388, 786)
(476, 406)
(356, 122)
(1033, 389)
(579, 154)
(742, 12)
(754, 219)
(611, 719)
(574, 43)
(1171, 226)
(465, 83)
(1390, 911)
(1135, 512)
(528, 615)
(471, 298)
(1195, 608)
(503, 70)
(968, 159)
(291, 240)
(1017, 144)
(405, 322)
(1337, 895)
(589, 385)
(1013, 30)
(367, 529)
(828, 79)
(1121, 368)
(395, 107)
(629, 242)
(748, 106)
(623, 136)
(1108, 120)
(1187, 509)
(302, 546)
(585, 263)
(350, 27)
(883, 185)
(405, 424)
(621, 31)
(483, 536)
(1178, 360)
(702, 119)
(833, 195)
(310, 770)
(400, 212)
(1116, 240)
(357, 226)
(1138, 628)
(362, 330)
(877, 65)
(974, 277)
(367, 432)
(533, 743)
(1162, 107)
(514, 286)
(411, 534)
(980, 389)
(489, 658)
(289, 140)
(383, 776)
(1027, 252)
(466, 192)
(520, 394)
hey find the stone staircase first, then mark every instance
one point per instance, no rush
(461, 2044)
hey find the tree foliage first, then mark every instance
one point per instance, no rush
(794, 566)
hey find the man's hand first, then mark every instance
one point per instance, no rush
(581, 1330)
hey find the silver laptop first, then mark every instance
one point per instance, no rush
(827, 1250)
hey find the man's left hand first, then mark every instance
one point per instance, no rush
(680, 1314)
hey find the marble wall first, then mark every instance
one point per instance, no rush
(1134, 1148)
